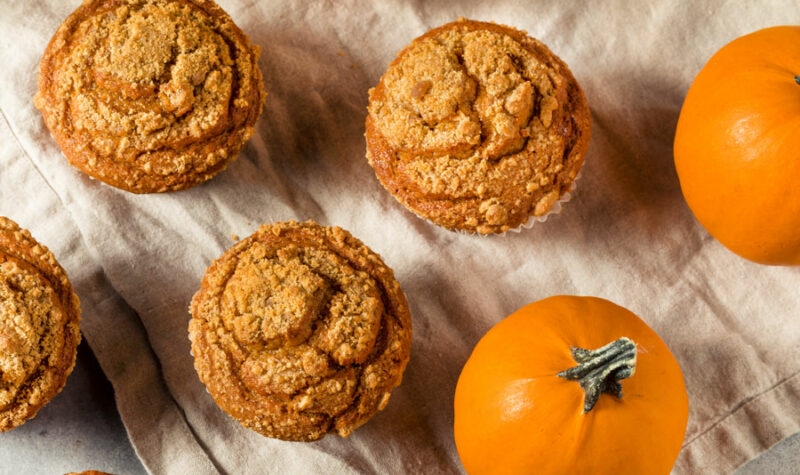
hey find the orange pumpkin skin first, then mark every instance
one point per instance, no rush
(737, 146)
(514, 415)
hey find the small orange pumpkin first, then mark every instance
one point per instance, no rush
(570, 385)
(737, 146)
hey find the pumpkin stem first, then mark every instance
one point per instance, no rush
(600, 371)
(797, 79)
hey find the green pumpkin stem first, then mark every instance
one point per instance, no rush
(797, 79)
(600, 371)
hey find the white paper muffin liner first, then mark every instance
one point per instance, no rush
(555, 209)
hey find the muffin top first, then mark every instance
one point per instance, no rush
(300, 330)
(477, 126)
(150, 95)
(39, 326)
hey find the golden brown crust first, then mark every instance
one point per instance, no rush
(39, 326)
(477, 126)
(150, 95)
(300, 330)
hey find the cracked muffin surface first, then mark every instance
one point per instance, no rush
(477, 126)
(150, 95)
(300, 330)
(39, 326)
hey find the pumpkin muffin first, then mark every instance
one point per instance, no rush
(39, 326)
(477, 127)
(300, 330)
(150, 95)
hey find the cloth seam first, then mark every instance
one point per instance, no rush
(741, 405)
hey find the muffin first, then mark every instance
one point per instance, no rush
(300, 330)
(150, 95)
(477, 127)
(39, 326)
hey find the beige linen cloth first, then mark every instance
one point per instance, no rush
(627, 234)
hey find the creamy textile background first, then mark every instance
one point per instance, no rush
(626, 236)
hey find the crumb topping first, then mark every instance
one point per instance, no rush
(157, 88)
(27, 308)
(479, 114)
(39, 318)
(313, 328)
